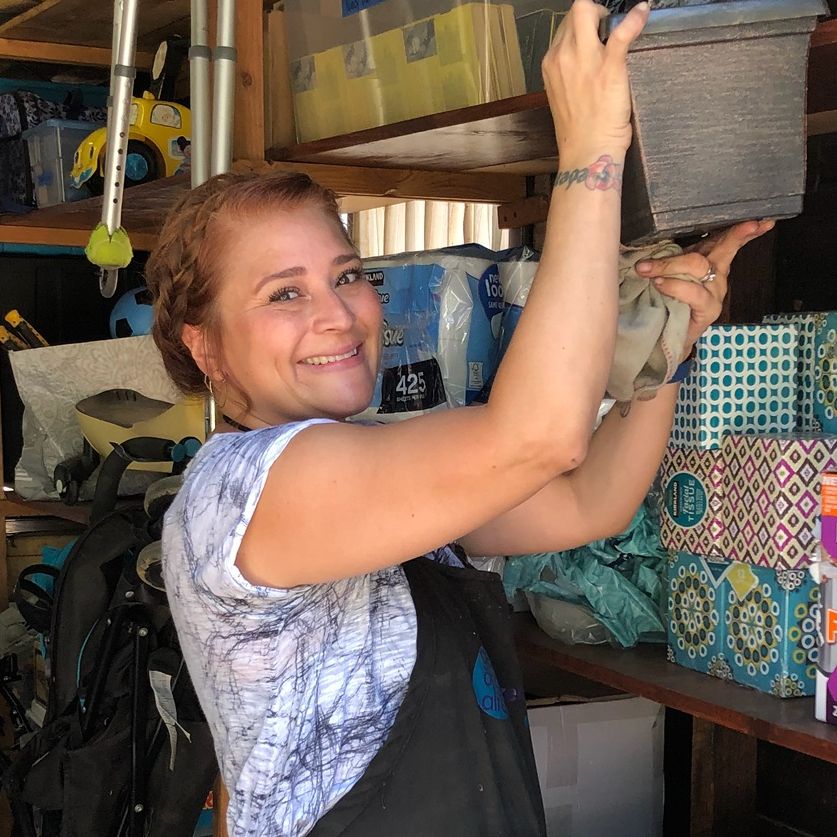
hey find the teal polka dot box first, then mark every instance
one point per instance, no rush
(817, 368)
(752, 625)
(744, 381)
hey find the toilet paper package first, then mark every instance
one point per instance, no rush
(518, 266)
(442, 316)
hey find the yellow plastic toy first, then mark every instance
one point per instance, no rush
(159, 141)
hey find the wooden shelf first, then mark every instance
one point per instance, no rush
(479, 153)
(145, 206)
(493, 135)
(645, 671)
(70, 224)
(87, 24)
(13, 505)
(510, 135)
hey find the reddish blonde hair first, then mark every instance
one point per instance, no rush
(182, 270)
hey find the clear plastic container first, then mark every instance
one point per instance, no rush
(357, 64)
(51, 146)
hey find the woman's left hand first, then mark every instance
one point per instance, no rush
(711, 256)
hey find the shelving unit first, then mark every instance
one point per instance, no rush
(482, 153)
(727, 720)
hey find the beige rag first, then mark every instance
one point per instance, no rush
(651, 336)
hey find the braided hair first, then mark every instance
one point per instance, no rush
(182, 272)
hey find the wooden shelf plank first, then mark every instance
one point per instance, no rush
(70, 224)
(54, 53)
(645, 671)
(146, 206)
(493, 134)
(13, 505)
(90, 24)
(403, 183)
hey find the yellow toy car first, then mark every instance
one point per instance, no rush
(159, 144)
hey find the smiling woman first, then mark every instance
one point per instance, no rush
(219, 307)
(353, 688)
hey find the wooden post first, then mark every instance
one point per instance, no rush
(220, 801)
(723, 781)
(248, 135)
(4, 567)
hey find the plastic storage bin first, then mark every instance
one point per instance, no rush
(51, 146)
(357, 64)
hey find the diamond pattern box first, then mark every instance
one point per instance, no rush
(744, 381)
(692, 483)
(771, 497)
(750, 625)
(817, 368)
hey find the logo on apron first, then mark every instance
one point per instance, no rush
(487, 689)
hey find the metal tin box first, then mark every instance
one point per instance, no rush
(718, 96)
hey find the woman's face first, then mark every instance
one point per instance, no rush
(300, 327)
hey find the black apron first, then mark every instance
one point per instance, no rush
(458, 760)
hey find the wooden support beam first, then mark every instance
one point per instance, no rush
(51, 53)
(29, 14)
(522, 213)
(723, 781)
(62, 237)
(404, 184)
(221, 801)
(824, 122)
(824, 34)
(248, 128)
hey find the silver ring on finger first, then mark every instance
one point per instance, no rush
(709, 276)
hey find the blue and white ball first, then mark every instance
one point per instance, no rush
(132, 314)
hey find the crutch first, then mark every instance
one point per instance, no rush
(212, 131)
(109, 246)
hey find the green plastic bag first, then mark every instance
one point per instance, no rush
(619, 579)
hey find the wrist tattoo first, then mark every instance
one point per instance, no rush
(599, 176)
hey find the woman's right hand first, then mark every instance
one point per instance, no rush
(587, 81)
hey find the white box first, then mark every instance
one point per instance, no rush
(600, 766)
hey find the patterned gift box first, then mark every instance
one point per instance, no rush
(817, 368)
(744, 381)
(692, 484)
(771, 504)
(695, 618)
(751, 625)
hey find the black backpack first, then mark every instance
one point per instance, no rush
(125, 748)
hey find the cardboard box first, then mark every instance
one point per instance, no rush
(695, 613)
(692, 482)
(817, 368)
(600, 767)
(535, 31)
(744, 381)
(828, 515)
(751, 625)
(771, 502)
(401, 65)
(825, 704)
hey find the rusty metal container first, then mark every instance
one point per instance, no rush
(718, 115)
